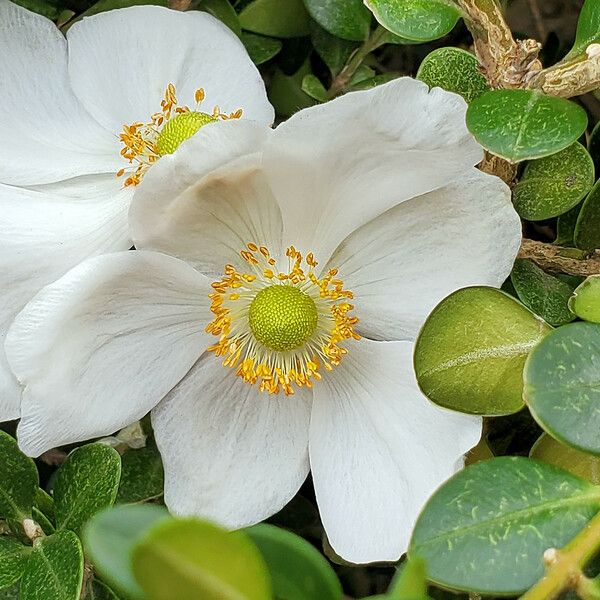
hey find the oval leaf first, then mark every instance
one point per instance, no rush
(13, 558)
(553, 185)
(524, 124)
(454, 70)
(587, 229)
(346, 19)
(585, 302)
(189, 559)
(55, 569)
(418, 20)
(222, 10)
(260, 48)
(470, 353)
(298, 571)
(142, 475)
(87, 482)
(486, 529)
(562, 385)
(588, 28)
(274, 17)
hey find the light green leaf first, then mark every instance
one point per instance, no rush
(260, 48)
(486, 529)
(585, 302)
(189, 559)
(553, 185)
(418, 20)
(274, 17)
(18, 481)
(587, 229)
(312, 86)
(410, 582)
(109, 539)
(588, 28)
(298, 571)
(13, 557)
(582, 464)
(470, 353)
(86, 483)
(142, 475)
(562, 385)
(455, 70)
(55, 569)
(222, 10)
(346, 19)
(524, 124)
(371, 82)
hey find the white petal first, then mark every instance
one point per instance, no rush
(122, 61)
(378, 450)
(338, 165)
(401, 264)
(101, 346)
(10, 391)
(47, 135)
(226, 207)
(231, 453)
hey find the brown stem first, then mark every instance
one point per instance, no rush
(556, 259)
(179, 4)
(571, 78)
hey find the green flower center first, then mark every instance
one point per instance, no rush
(180, 128)
(282, 317)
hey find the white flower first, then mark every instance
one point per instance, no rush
(378, 187)
(64, 104)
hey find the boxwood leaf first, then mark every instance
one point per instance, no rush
(470, 353)
(189, 558)
(587, 229)
(565, 226)
(13, 558)
(588, 28)
(562, 385)
(86, 483)
(54, 570)
(553, 185)
(222, 10)
(524, 124)
(334, 51)
(585, 302)
(410, 582)
(418, 20)
(298, 571)
(346, 19)
(273, 17)
(486, 529)
(260, 48)
(312, 86)
(142, 475)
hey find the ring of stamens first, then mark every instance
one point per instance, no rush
(265, 325)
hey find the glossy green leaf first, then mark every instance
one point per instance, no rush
(594, 146)
(298, 571)
(588, 28)
(455, 70)
(582, 464)
(486, 529)
(470, 353)
(222, 10)
(285, 92)
(142, 475)
(105, 5)
(346, 19)
(45, 503)
(410, 582)
(542, 293)
(18, 481)
(189, 559)
(553, 185)
(260, 48)
(565, 226)
(109, 538)
(86, 483)
(334, 51)
(418, 20)
(524, 124)
(585, 302)
(100, 591)
(54, 570)
(587, 229)
(48, 8)
(13, 557)
(562, 385)
(274, 17)
(42, 520)
(312, 86)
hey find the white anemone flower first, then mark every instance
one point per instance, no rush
(65, 103)
(268, 318)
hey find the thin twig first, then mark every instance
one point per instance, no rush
(556, 259)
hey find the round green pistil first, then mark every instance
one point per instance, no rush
(282, 317)
(180, 128)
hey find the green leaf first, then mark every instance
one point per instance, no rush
(312, 86)
(142, 475)
(587, 229)
(565, 226)
(260, 48)
(18, 481)
(42, 520)
(45, 504)
(588, 28)
(371, 82)
(105, 5)
(274, 17)
(553, 185)
(55, 569)
(562, 385)
(455, 70)
(582, 464)
(285, 92)
(585, 302)
(594, 146)
(346, 19)
(418, 20)
(486, 529)
(298, 571)
(334, 51)
(470, 353)
(109, 539)
(86, 483)
(410, 582)
(46, 8)
(13, 558)
(12, 593)
(524, 124)
(222, 10)
(543, 294)
(100, 591)
(189, 559)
